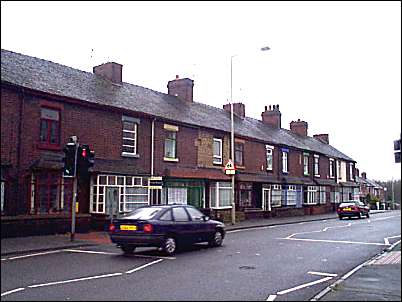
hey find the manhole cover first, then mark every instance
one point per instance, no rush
(246, 267)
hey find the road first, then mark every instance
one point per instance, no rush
(282, 263)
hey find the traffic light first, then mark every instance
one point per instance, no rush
(85, 160)
(69, 168)
(397, 150)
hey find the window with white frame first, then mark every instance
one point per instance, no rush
(312, 192)
(130, 126)
(217, 151)
(269, 155)
(323, 194)
(276, 196)
(351, 172)
(133, 192)
(305, 163)
(285, 161)
(291, 195)
(221, 195)
(331, 168)
(316, 165)
(170, 145)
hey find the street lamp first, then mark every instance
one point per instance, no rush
(232, 134)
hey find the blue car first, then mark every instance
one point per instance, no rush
(165, 227)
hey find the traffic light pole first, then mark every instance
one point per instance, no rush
(73, 206)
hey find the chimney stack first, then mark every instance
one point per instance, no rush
(110, 71)
(272, 117)
(364, 175)
(182, 88)
(238, 109)
(324, 138)
(299, 127)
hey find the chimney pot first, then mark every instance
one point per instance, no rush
(177, 76)
(266, 108)
(277, 107)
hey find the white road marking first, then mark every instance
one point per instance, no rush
(386, 241)
(143, 266)
(271, 298)
(90, 252)
(383, 218)
(148, 256)
(31, 255)
(322, 274)
(12, 291)
(76, 280)
(303, 286)
(334, 241)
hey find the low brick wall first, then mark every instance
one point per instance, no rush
(31, 225)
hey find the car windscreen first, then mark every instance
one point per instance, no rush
(143, 213)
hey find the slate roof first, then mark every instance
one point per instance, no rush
(53, 78)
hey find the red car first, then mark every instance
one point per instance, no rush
(353, 208)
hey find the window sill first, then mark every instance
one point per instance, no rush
(240, 167)
(221, 208)
(317, 175)
(171, 159)
(124, 154)
(49, 147)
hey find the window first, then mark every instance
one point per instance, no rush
(331, 168)
(195, 214)
(167, 216)
(177, 195)
(312, 195)
(305, 163)
(52, 193)
(180, 214)
(170, 145)
(49, 127)
(221, 195)
(316, 165)
(291, 196)
(285, 161)
(130, 126)
(133, 192)
(239, 148)
(217, 151)
(269, 154)
(339, 169)
(323, 194)
(276, 196)
(351, 172)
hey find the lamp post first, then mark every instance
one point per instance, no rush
(233, 212)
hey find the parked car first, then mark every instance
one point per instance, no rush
(353, 208)
(166, 227)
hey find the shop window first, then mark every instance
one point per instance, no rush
(276, 196)
(221, 195)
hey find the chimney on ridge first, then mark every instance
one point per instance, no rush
(299, 127)
(364, 175)
(182, 88)
(110, 71)
(238, 109)
(324, 138)
(272, 116)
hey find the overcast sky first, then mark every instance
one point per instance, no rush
(335, 65)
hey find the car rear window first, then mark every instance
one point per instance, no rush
(143, 213)
(346, 204)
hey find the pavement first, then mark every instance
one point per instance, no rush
(378, 279)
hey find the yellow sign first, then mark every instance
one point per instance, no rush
(76, 207)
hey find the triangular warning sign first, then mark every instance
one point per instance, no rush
(229, 165)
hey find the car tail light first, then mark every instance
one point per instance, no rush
(148, 228)
(112, 227)
(354, 208)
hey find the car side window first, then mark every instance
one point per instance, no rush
(167, 216)
(195, 214)
(180, 214)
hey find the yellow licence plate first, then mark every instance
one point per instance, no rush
(128, 227)
(347, 209)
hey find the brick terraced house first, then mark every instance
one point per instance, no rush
(140, 135)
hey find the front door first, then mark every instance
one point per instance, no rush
(112, 201)
(266, 199)
(155, 197)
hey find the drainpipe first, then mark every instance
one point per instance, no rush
(21, 113)
(152, 146)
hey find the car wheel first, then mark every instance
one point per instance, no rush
(128, 249)
(169, 246)
(217, 239)
(368, 215)
(340, 217)
(359, 215)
